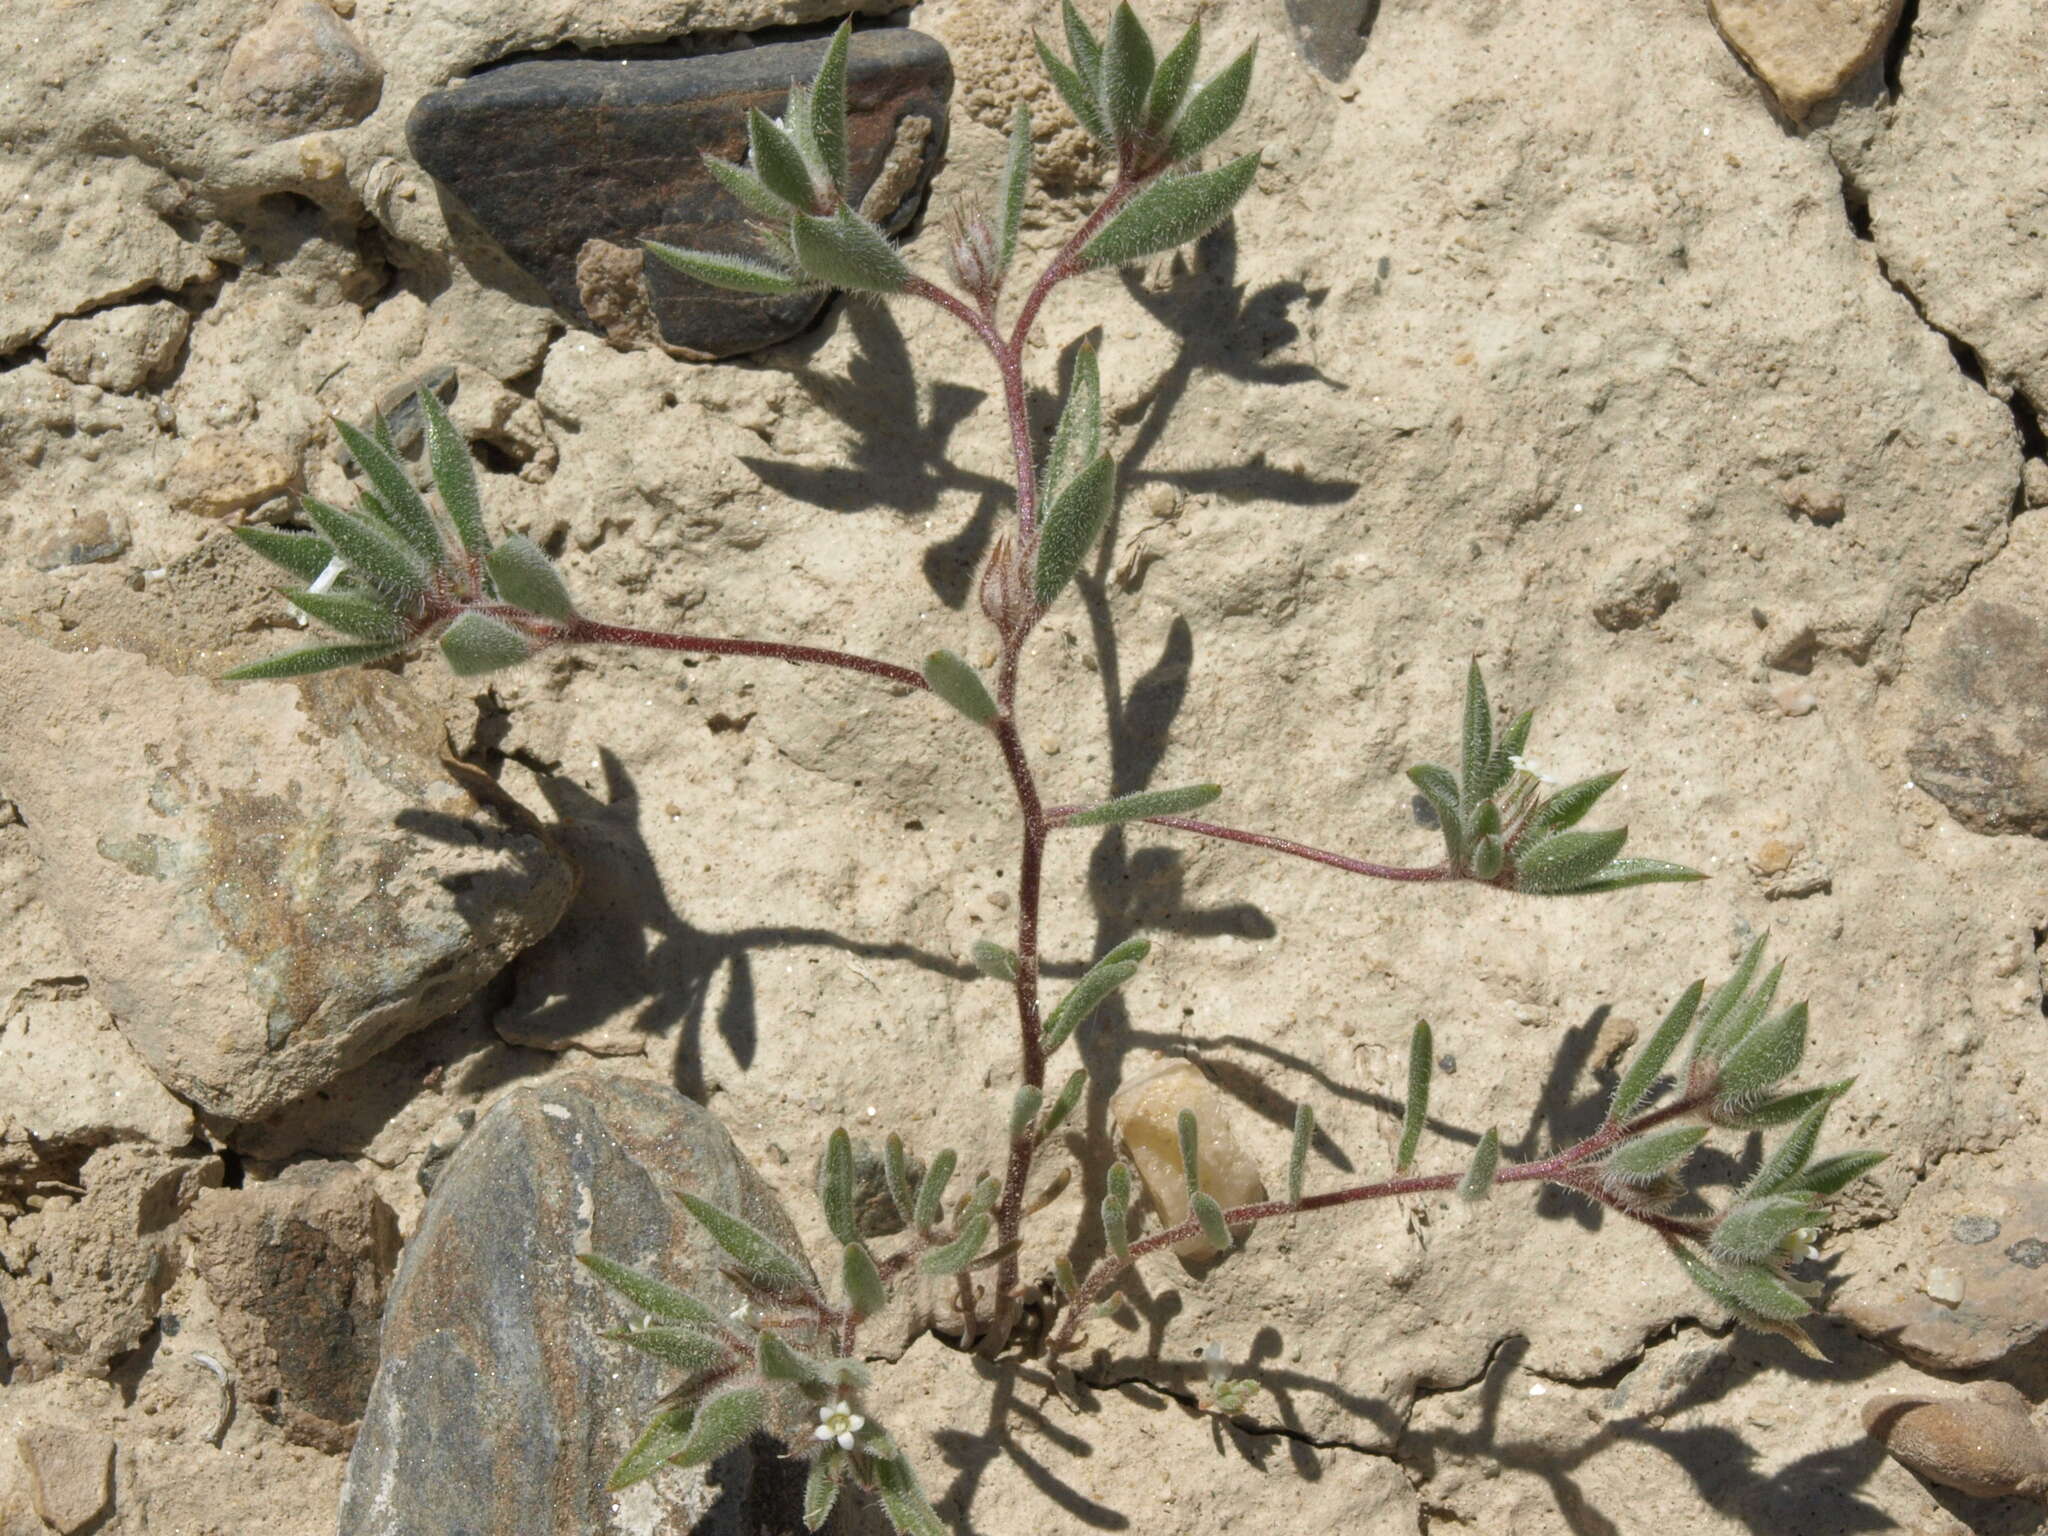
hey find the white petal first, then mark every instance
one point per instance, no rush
(854, 1421)
(822, 1432)
(846, 1442)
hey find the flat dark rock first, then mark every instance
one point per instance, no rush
(553, 154)
(498, 1404)
(1982, 744)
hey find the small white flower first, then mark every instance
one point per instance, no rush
(1523, 765)
(837, 1421)
(328, 576)
(743, 1313)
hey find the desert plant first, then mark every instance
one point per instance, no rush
(397, 572)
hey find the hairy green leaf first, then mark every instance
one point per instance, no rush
(1190, 1150)
(1623, 873)
(305, 555)
(360, 614)
(821, 1492)
(1170, 81)
(845, 250)
(1561, 863)
(1016, 182)
(896, 1173)
(1478, 741)
(1146, 802)
(379, 556)
(1416, 1113)
(1213, 109)
(317, 658)
(774, 157)
(1787, 1160)
(1078, 439)
(835, 1189)
(650, 1295)
(1072, 523)
(1297, 1158)
(1767, 1054)
(724, 1419)
(404, 509)
(931, 1190)
(763, 1260)
(664, 1438)
(1749, 1012)
(1831, 1175)
(1079, 1005)
(1754, 1231)
(1169, 212)
(750, 189)
(1508, 745)
(861, 1281)
(1116, 1210)
(526, 578)
(1488, 854)
(476, 643)
(1440, 789)
(1786, 1108)
(1206, 1211)
(1643, 1159)
(741, 274)
(1641, 1077)
(687, 1349)
(1024, 1106)
(951, 1258)
(903, 1500)
(1568, 807)
(454, 475)
(998, 962)
(1478, 1181)
(1063, 1106)
(828, 105)
(1078, 93)
(1128, 63)
(777, 1361)
(1081, 43)
(960, 686)
(1725, 997)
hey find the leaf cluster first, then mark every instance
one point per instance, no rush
(1500, 828)
(395, 570)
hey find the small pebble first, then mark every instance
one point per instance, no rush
(1944, 1285)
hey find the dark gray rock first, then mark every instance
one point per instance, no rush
(1330, 34)
(554, 156)
(298, 1270)
(1982, 744)
(499, 1406)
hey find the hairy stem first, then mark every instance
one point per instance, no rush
(590, 632)
(1558, 1168)
(1056, 815)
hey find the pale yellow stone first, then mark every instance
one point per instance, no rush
(1147, 1114)
(1806, 50)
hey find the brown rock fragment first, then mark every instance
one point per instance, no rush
(298, 1269)
(1985, 1445)
(70, 1473)
(300, 71)
(1982, 744)
(1806, 50)
(224, 472)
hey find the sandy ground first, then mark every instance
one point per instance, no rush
(1543, 337)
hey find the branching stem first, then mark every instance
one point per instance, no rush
(591, 632)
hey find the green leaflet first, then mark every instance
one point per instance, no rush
(1101, 979)
(526, 578)
(1076, 92)
(896, 1171)
(1478, 1181)
(1171, 211)
(1146, 802)
(404, 509)
(844, 250)
(1170, 81)
(1016, 181)
(1190, 1151)
(835, 1190)
(1297, 1157)
(1755, 1231)
(777, 1361)
(1213, 109)
(931, 1191)
(687, 1349)
(750, 189)
(1831, 1175)
(1643, 1159)
(1128, 63)
(380, 557)
(1770, 1052)
(1634, 1089)
(1064, 1104)
(828, 105)
(1078, 438)
(1206, 1211)
(1440, 789)
(1072, 522)
(663, 1439)
(454, 475)
(998, 962)
(773, 156)
(651, 1295)
(861, 1281)
(951, 1258)
(1563, 862)
(318, 658)
(741, 274)
(476, 643)
(754, 1251)
(1475, 776)
(821, 1492)
(960, 686)
(1787, 1160)
(1416, 1112)
(1569, 805)
(359, 614)
(305, 555)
